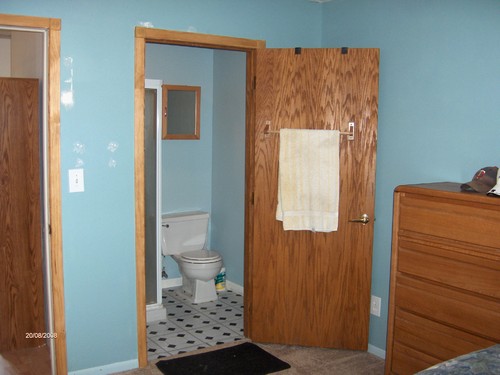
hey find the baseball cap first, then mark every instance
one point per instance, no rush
(483, 181)
(495, 191)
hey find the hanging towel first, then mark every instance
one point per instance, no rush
(308, 180)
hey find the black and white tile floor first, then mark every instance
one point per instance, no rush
(192, 326)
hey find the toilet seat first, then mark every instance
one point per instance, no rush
(201, 256)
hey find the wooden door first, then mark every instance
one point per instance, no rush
(306, 288)
(22, 320)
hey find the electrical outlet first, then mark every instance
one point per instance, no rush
(375, 306)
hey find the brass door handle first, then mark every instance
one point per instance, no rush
(364, 219)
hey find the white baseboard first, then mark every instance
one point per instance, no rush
(155, 312)
(171, 283)
(376, 351)
(108, 369)
(234, 287)
(177, 281)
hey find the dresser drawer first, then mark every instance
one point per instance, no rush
(463, 311)
(433, 262)
(408, 361)
(420, 343)
(462, 221)
(434, 339)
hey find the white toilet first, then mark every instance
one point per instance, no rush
(184, 237)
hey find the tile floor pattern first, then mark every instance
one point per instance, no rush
(192, 326)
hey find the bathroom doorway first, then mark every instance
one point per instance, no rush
(143, 37)
(36, 41)
(207, 173)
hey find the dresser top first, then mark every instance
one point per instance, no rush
(450, 190)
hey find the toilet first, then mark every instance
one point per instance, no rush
(184, 236)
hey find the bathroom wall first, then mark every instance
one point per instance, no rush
(207, 174)
(186, 164)
(228, 171)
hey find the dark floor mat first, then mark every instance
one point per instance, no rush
(242, 359)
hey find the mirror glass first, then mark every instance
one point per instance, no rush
(181, 117)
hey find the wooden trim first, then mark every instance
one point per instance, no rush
(55, 196)
(27, 21)
(392, 287)
(249, 190)
(140, 266)
(53, 25)
(143, 36)
(197, 40)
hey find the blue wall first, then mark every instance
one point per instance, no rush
(439, 112)
(97, 53)
(228, 176)
(186, 178)
(207, 174)
(186, 164)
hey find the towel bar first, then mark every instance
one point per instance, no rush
(350, 133)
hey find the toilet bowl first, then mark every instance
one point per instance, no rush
(184, 238)
(198, 277)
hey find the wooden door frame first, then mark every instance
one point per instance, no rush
(142, 36)
(52, 27)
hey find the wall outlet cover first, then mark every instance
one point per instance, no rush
(375, 305)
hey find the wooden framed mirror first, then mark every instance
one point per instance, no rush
(181, 112)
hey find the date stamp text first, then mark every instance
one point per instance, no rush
(41, 335)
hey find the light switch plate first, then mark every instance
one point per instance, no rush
(76, 181)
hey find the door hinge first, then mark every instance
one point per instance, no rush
(50, 229)
(251, 198)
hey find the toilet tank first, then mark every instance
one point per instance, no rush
(184, 231)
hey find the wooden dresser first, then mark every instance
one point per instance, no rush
(445, 275)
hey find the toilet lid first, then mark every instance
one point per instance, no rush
(203, 255)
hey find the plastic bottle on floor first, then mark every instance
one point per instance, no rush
(220, 280)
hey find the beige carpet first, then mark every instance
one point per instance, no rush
(303, 361)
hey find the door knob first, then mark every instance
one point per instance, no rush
(364, 219)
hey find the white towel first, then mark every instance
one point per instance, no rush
(308, 180)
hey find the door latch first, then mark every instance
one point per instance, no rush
(364, 219)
